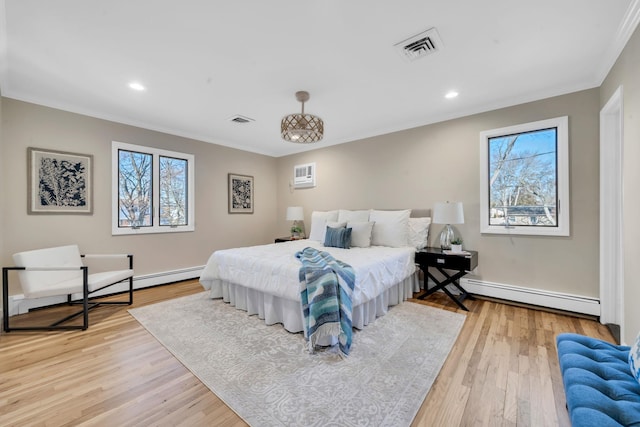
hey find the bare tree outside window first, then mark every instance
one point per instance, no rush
(173, 191)
(135, 189)
(523, 179)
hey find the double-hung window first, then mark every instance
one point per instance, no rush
(524, 179)
(153, 190)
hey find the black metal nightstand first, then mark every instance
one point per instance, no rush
(461, 264)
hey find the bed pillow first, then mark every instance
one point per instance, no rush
(391, 228)
(419, 232)
(634, 359)
(356, 216)
(319, 224)
(360, 233)
(332, 224)
(338, 238)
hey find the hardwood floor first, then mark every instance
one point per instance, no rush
(503, 370)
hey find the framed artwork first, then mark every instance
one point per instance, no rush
(240, 194)
(59, 182)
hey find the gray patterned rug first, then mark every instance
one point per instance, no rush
(266, 376)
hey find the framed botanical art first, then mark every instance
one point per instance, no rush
(59, 182)
(240, 194)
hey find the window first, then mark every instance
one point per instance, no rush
(524, 179)
(152, 190)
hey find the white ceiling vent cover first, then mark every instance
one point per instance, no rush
(420, 45)
(240, 119)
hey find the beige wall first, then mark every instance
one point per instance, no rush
(28, 125)
(625, 72)
(418, 167)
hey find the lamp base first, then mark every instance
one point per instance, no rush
(300, 232)
(446, 236)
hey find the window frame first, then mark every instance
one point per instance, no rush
(561, 124)
(156, 153)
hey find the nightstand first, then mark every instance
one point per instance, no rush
(460, 264)
(283, 239)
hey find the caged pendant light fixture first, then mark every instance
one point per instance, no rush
(302, 128)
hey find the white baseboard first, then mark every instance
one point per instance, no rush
(19, 305)
(577, 304)
(560, 301)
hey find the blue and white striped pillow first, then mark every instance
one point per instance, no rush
(338, 237)
(634, 359)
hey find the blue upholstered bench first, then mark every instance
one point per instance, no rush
(598, 381)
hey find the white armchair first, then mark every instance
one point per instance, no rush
(60, 271)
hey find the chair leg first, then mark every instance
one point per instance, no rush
(85, 297)
(5, 299)
(130, 256)
(130, 290)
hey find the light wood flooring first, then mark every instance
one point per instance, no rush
(503, 370)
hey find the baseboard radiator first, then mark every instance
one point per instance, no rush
(539, 297)
(556, 300)
(19, 305)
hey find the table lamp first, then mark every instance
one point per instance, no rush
(296, 214)
(447, 213)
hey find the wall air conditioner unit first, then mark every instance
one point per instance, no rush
(304, 176)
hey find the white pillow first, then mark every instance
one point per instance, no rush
(419, 232)
(391, 228)
(355, 216)
(360, 233)
(319, 224)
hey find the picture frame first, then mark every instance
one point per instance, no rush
(59, 182)
(240, 193)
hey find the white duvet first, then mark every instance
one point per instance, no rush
(273, 269)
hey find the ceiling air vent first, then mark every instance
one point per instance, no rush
(240, 119)
(420, 45)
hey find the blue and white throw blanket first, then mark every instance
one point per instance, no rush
(326, 287)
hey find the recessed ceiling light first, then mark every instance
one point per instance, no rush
(136, 86)
(452, 94)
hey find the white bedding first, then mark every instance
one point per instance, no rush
(273, 269)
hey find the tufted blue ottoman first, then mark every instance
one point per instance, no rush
(598, 384)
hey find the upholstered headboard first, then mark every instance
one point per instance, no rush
(420, 213)
(415, 213)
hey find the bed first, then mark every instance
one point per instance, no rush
(264, 280)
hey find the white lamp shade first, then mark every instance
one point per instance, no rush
(295, 213)
(448, 213)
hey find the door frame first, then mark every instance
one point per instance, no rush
(611, 212)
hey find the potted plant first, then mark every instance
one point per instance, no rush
(456, 244)
(295, 231)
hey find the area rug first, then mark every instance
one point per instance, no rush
(266, 375)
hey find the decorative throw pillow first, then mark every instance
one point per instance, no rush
(355, 216)
(390, 228)
(332, 224)
(319, 224)
(338, 238)
(634, 359)
(419, 232)
(360, 233)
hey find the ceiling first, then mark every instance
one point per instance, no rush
(203, 62)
